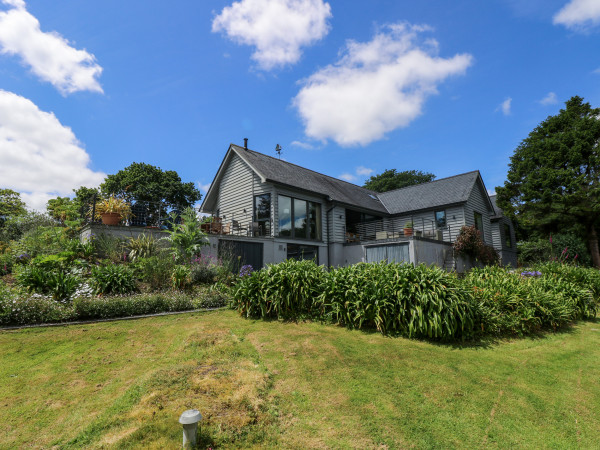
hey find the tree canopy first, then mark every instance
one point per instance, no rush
(553, 178)
(146, 183)
(391, 179)
(11, 204)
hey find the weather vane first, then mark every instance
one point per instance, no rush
(278, 150)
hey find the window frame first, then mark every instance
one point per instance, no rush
(507, 236)
(267, 228)
(318, 212)
(435, 213)
(480, 216)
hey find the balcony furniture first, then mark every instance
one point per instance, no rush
(237, 228)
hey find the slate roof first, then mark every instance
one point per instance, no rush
(497, 211)
(283, 172)
(438, 193)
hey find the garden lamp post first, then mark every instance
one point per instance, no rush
(189, 419)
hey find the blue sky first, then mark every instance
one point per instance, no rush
(347, 88)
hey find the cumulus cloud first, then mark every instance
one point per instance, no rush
(40, 157)
(304, 145)
(579, 14)
(278, 29)
(360, 172)
(49, 55)
(204, 187)
(348, 177)
(505, 106)
(375, 87)
(549, 99)
(363, 171)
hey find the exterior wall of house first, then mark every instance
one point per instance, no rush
(477, 203)
(237, 189)
(428, 252)
(508, 255)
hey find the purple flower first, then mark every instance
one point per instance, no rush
(246, 271)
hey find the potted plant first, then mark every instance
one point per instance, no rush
(408, 228)
(112, 210)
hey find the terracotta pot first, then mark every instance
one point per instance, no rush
(111, 218)
(408, 232)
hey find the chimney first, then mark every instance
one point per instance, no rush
(245, 143)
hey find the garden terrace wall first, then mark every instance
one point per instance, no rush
(118, 231)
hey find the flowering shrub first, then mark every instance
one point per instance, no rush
(246, 271)
(469, 243)
(536, 273)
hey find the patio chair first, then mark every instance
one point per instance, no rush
(237, 228)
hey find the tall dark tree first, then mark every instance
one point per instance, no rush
(553, 178)
(390, 180)
(146, 183)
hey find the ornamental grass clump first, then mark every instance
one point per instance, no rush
(282, 291)
(400, 299)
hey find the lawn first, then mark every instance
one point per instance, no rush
(124, 384)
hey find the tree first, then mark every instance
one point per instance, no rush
(390, 180)
(146, 183)
(553, 178)
(11, 205)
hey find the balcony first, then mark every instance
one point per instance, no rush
(394, 229)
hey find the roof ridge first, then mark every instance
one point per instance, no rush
(429, 182)
(304, 168)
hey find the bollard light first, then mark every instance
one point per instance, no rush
(189, 419)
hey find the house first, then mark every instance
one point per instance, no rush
(266, 210)
(503, 236)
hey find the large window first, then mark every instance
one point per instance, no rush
(262, 214)
(507, 238)
(479, 223)
(299, 219)
(440, 219)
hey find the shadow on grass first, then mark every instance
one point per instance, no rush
(483, 342)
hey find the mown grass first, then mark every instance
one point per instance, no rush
(258, 383)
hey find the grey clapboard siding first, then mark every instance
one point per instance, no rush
(477, 203)
(238, 187)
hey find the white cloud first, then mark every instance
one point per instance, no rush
(579, 14)
(40, 157)
(505, 106)
(204, 187)
(375, 87)
(363, 171)
(549, 99)
(304, 145)
(49, 55)
(348, 177)
(360, 172)
(278, 29)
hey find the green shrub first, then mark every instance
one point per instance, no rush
(203, 273)
(413, 301)
(542, 250)
(156, 270)
(55, 282)
(469, 243)
(6, 263)
(19, 309)
(133, 305)
(181, 277)
(286, 290)
(584, 277)
(186, 238)
(514, 303)
(113, 279)
(143, 246)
